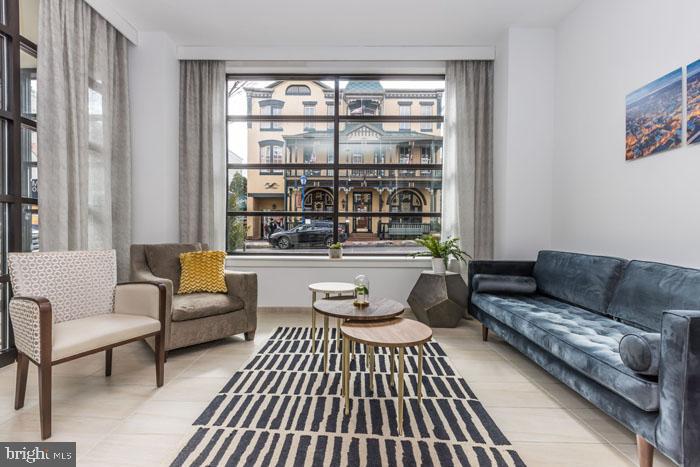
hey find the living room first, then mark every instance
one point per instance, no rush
(457, 233)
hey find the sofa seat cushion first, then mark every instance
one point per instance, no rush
(82, 335)
(201, 305)
(586, 341)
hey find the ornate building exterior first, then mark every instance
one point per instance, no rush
(360, 190)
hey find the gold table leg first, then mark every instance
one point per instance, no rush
(420, 372)
(391, 364)
(325, 343)
(338, 336)
(400, 382)
(346, 375)
(370, 355)
(313, 322)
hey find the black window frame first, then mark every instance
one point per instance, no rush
(13, 198)
(335, 166)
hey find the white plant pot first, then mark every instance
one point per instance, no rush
(335, 253)
(438, 265)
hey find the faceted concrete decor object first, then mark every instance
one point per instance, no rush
(439, 300)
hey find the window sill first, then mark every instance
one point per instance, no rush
(365, 262)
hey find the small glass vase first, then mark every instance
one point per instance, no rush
(361, 290)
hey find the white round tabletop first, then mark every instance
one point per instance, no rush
(332, 287)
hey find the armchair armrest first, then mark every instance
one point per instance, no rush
(145, 275)
(510, 268)
(145, 298)
(244, 285)
(32, 322)
(678, 428)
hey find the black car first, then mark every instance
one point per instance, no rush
(318, 233)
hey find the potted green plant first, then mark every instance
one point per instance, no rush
(335, 251)
(441, 252)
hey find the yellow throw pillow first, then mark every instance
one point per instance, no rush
(202, 271)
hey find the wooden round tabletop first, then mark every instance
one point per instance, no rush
(396, 332)
(332, 287)
(343, 307)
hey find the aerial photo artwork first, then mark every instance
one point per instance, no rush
(694, 102)
(654, 120)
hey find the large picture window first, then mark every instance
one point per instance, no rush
(365, 172)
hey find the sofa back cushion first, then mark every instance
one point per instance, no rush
(78, 284)
(164, 259)
(582, 280)
(647, 289)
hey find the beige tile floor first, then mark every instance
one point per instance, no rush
(124, 420)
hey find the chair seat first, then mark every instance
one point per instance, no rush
(81, 335)
(586, 341)
(200, 305)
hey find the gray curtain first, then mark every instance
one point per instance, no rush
(203, 152)
(467, 193)
(83, 128)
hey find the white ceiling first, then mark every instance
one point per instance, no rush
(229, 23)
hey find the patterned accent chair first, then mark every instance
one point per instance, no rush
(195, 318)
(67, 305)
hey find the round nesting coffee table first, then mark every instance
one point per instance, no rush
(327, 288)
(397, 333)
(344, 309)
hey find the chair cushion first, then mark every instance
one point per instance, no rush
(642, 352)
(648, 289)
(586, 341)
(202, 271)
(583, 280)
(498, 283)
(164, 259)
(201, 305)
(81, 335)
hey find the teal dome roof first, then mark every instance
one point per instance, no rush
(364, 87)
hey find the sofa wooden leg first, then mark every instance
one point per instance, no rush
(21, 382)
(160, 360)
(484, 333)
(645, 452)
(108, 362)
(45, 399)
(249, 336)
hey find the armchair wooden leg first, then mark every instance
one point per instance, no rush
(249, 336)
(21, 382)
(645, 452)
(160, 360)
(45, 399)
(108, 362)
(484, 333)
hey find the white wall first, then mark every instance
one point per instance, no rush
(154, 84)
(523, 141)
(283, 282)
(647, 208)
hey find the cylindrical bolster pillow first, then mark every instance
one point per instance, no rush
(495, 283)
(641, 352)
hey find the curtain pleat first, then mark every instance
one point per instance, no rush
(203, 152)
(84, 135)
(467, 194)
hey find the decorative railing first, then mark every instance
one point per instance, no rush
(402, 230)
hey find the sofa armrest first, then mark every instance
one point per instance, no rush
(32, 324)
(146, 298)
(510, 268)
(244, 285)
(142, 275)
(678, 428)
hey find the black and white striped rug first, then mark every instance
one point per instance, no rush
(281, 410)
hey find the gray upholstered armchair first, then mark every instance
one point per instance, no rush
(197, 317)
(67, 305)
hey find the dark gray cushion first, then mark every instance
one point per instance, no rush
(586, 341)
(583, 280)
(164, 259)
(497, 283)
(642, 352)
(201, 305)
(648, 289)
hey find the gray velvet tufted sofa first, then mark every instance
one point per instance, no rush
(572, 326)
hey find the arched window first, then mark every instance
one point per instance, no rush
(405, 201)
(318, 199)
(298, 90)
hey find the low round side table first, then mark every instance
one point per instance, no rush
(343, 309)
(326, 288)
(397, 333)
